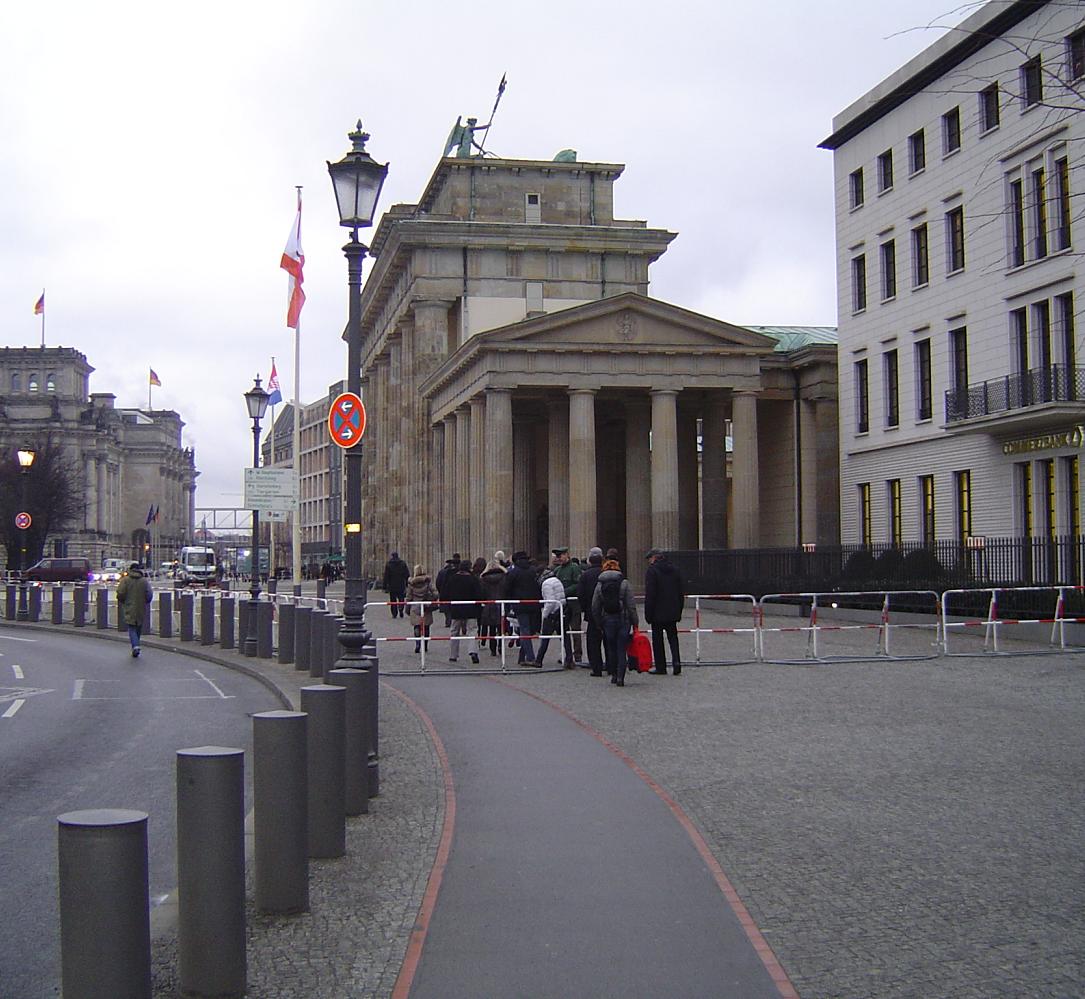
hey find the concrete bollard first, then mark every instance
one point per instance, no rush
(265, 620)
(356, 752)
(321, 589)
(165, 615)
(303, 624)
(101, 609)
(186, 604)
(286, 633)
(35, 603)
(280, 789)
(11, 601)
(58, 605)
(273, 585)
(296, 589)
(105, 928)
(226, 622)
(332, 649)
(326, 741)
(372, 667)
(316, 643)
(211, 871)
(207, 619)
(79, 606)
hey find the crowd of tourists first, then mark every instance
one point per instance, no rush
(586, 607)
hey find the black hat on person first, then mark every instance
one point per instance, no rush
(516, 556)
(653, 552)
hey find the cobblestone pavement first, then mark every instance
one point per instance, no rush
(896, 828)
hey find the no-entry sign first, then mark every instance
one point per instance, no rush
(346, 420)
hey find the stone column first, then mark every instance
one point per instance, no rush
(498, 499)
(745, 491)
(714, 473)
(90, 517)
(664, 469)
(558, 472)
(448, 493)
(463, 481)
(434, 509)
(638, 488)
(582, 489)
(103, 497)
(477, 474)
(523, 485)
(394, 445)
(807, 477)
(688, 500)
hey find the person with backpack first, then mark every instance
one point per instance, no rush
(615, 612)
(664, 601)
(585, 590)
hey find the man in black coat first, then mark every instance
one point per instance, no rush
(664, 600)
(462, 585)
(396, 574)
(522, 583)
(585, 590)
(450, 567)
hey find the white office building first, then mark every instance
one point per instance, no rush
(960, 189)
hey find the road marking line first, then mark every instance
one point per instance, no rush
(15, 705)
(12, 638)
(77, 690)
(18, 671)
(225, 697)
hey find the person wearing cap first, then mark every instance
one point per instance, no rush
(396, 574)
(522, 586)
(585, 590)
(569, 573)
(664, 601)
(133, 596)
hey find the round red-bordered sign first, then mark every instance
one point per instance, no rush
(346, 419)
(23, 521)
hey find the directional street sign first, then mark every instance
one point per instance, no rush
(346, 420)
(22, 521)
(270, 489)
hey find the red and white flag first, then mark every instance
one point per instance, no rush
(292, 262)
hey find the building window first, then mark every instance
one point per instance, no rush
(963, 483)
(862, 398)
(921, 272)
(885, 170)
(1032, 82)
(1062, 203)
(889, 270)
(951, 131)
(50, 382)
(955, 240)
(1039, 215)
(1073, 496)
(926, 509)
(1075, 54)
(532, 208)
(1024, 499)
(917, 151)
(1019, 340)
(958, 359)
(32, 382)
(989, 108)
(16, 382)
(865, 532)
(923, 388)
(1017, 224)
(1064, 316)
(891, 370)
(855, 187)
(1047, 468)
(858, 283)
(896, 524)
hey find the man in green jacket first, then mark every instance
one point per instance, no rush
(568, 572)
(133, 596)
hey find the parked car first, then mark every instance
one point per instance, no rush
(61, 570)
(112, 570)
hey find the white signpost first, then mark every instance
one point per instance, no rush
(270, 490)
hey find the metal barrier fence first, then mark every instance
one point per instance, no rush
(1018, 609)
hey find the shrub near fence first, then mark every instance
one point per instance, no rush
(944, 565)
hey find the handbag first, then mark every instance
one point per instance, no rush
(639, 652)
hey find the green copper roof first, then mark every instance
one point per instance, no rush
(790, 338)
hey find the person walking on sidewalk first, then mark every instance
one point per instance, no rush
(569, 572)
(449, 569)
(521, 584)
(394, 583)
(133, 596)
(615, 612)
(664, 601)
(421, 597)
(585, 590)
(464, 591)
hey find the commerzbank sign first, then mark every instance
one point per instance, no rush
(1074, 437)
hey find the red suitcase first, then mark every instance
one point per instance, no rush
(639, 652)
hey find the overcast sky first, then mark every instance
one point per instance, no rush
(150, 154)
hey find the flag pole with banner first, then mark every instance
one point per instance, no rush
(39, 310)
(292, 262)
(274, 398)
(152, 379)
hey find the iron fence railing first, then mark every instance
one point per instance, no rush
(1054, 383)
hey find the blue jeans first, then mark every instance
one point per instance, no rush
(135, 632)
(524, 623)
(615, 640)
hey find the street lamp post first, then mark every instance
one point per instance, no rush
(357, 179)
(26, 459)
(256, 401)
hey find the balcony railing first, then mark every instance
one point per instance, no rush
(1056, 383)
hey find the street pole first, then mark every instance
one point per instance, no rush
(26, 459)
(256, 400)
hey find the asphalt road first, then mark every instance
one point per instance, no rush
(83, 725)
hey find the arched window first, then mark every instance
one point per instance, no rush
(32, 382)
(16, 382)
(50, 382)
